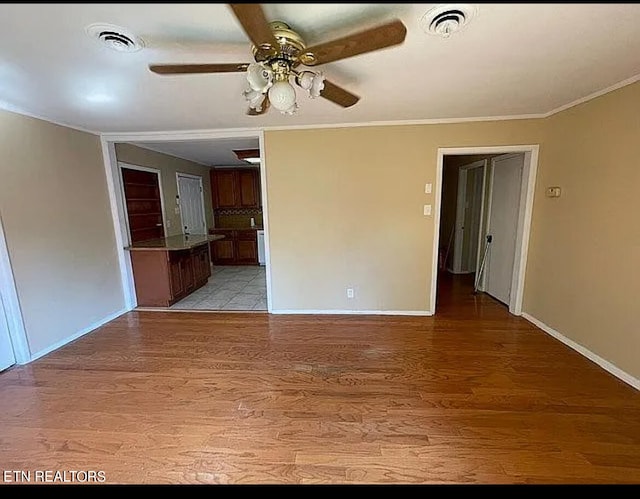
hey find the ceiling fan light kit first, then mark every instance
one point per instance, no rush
(278, 51)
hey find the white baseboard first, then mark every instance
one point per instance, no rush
(77, 335)
(354, 312)
(605, 364)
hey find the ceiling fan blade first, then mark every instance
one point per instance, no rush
(265, 107)
(386, 35)
(173, 69)
(254, 23)
(337, 94)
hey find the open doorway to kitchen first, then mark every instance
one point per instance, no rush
(213, 255)
(484, 218)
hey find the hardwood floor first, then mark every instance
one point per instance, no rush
(470, 395)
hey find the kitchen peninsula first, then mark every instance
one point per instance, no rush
(167, 269)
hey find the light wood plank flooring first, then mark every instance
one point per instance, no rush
(470, 395)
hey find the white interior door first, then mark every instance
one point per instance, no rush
(469, 210)
(191, 204)
(504, 209)
(7, 358)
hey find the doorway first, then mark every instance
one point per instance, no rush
(191, 197)
(484, 199)
(237, 285)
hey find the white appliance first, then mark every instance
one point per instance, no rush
(262, 259)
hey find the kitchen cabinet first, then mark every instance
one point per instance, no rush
(223, 252)
(235, 187)
(239, 247)
(165, 276)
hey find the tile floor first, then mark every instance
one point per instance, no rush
(230, 288)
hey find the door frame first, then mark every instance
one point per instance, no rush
(114, 186)
(526, 209)
(204, 211)
(122, 164)
(458, 242)
(11, 302)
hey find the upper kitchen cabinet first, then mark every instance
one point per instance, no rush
(224, 188)
(236, 188)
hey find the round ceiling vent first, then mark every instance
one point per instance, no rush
(446, 19)
(115, 37)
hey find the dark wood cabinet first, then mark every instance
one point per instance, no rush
(223, 252)
(224, 188)
(247, 247)
(165, 277)
(239, 247)
(249, 188)
(235, 187)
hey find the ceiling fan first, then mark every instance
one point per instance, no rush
(279, 52)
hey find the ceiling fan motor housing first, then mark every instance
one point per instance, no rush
(290, 45)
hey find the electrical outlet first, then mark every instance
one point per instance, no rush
(427, 210)
(168, 224)
(350, 293)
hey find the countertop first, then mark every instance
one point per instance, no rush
(234, 228)
(174, 243)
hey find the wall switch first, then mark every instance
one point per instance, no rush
(427, 210)
(427, 188)
(168, 224)
(553, 192)
(350, 293)
(177, 210)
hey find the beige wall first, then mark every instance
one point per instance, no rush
(169, 166)
(583, 275)
(57, 220)
(362, 226)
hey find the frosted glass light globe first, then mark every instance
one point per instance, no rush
(282, 96)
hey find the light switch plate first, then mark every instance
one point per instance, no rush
(427, 210)
(427, 188)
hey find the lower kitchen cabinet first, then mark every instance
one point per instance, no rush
(239, 247)
(165, 277)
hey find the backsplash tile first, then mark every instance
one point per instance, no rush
(237, 220)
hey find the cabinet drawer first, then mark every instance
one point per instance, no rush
(247, 235)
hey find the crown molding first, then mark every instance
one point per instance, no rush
(594, 95)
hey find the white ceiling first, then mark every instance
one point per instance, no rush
(512, 59)
(211, 152)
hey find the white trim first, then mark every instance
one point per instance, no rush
(605, 364)
(252, 131)
(131, 166)
(77, 335)
(265, 221)
(352, 312)
(530, 170)
(13, 312)
(436, 230)
(594, 95)
(204, 134)
(204, 211)
(118, 215)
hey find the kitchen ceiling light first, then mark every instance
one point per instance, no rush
(251, 156)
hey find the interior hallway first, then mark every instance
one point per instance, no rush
(470, 395)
